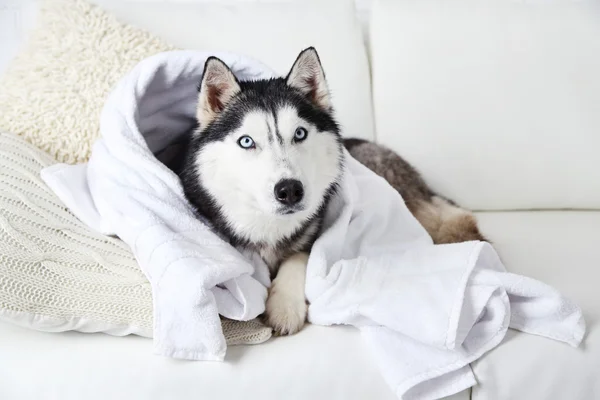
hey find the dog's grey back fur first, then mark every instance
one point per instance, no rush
(393, 168)
(445, 221)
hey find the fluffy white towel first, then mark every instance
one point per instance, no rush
(427, 311)
(125, 190)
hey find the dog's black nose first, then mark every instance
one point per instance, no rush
(289, 192)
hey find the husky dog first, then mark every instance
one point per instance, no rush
(263, 163)
(261, 167)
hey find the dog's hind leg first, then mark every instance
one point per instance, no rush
(446, 222)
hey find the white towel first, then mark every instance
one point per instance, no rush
(125, 190)
(426, 311)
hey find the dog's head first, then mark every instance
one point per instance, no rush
(267, 153)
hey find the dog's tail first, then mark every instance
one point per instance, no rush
(446, 222)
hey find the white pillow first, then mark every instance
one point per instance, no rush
(58, 275)
(273, 32)
(497, 103)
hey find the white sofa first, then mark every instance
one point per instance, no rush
(496, 102)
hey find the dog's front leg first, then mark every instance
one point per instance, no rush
(286, 305)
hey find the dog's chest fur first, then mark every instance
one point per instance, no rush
(300, 242)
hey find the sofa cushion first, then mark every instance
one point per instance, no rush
(318, 363)
(497, 103)
(558, 248)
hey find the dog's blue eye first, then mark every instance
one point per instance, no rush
(300, 134)
(246, 142)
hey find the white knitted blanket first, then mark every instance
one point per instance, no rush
(57, 275)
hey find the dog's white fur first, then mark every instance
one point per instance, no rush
(244, 180)
(286, 304)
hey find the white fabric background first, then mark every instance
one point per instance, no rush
(17, 15)
(497, 105)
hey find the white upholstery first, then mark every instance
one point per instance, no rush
(273, 32)
(497, 103)
(559, 248)
(16, 16)
(318, 363)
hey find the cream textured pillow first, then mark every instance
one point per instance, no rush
(53, 91)
(58, 275)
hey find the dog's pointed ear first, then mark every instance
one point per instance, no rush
(307, 76)
(217, 88)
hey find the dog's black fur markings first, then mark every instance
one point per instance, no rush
(267, 95)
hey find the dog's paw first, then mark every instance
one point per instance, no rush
(285, 313)
(286, 307)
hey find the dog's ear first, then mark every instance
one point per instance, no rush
(217, 88)
(307, 75)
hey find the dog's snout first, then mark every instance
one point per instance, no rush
(289, 191)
